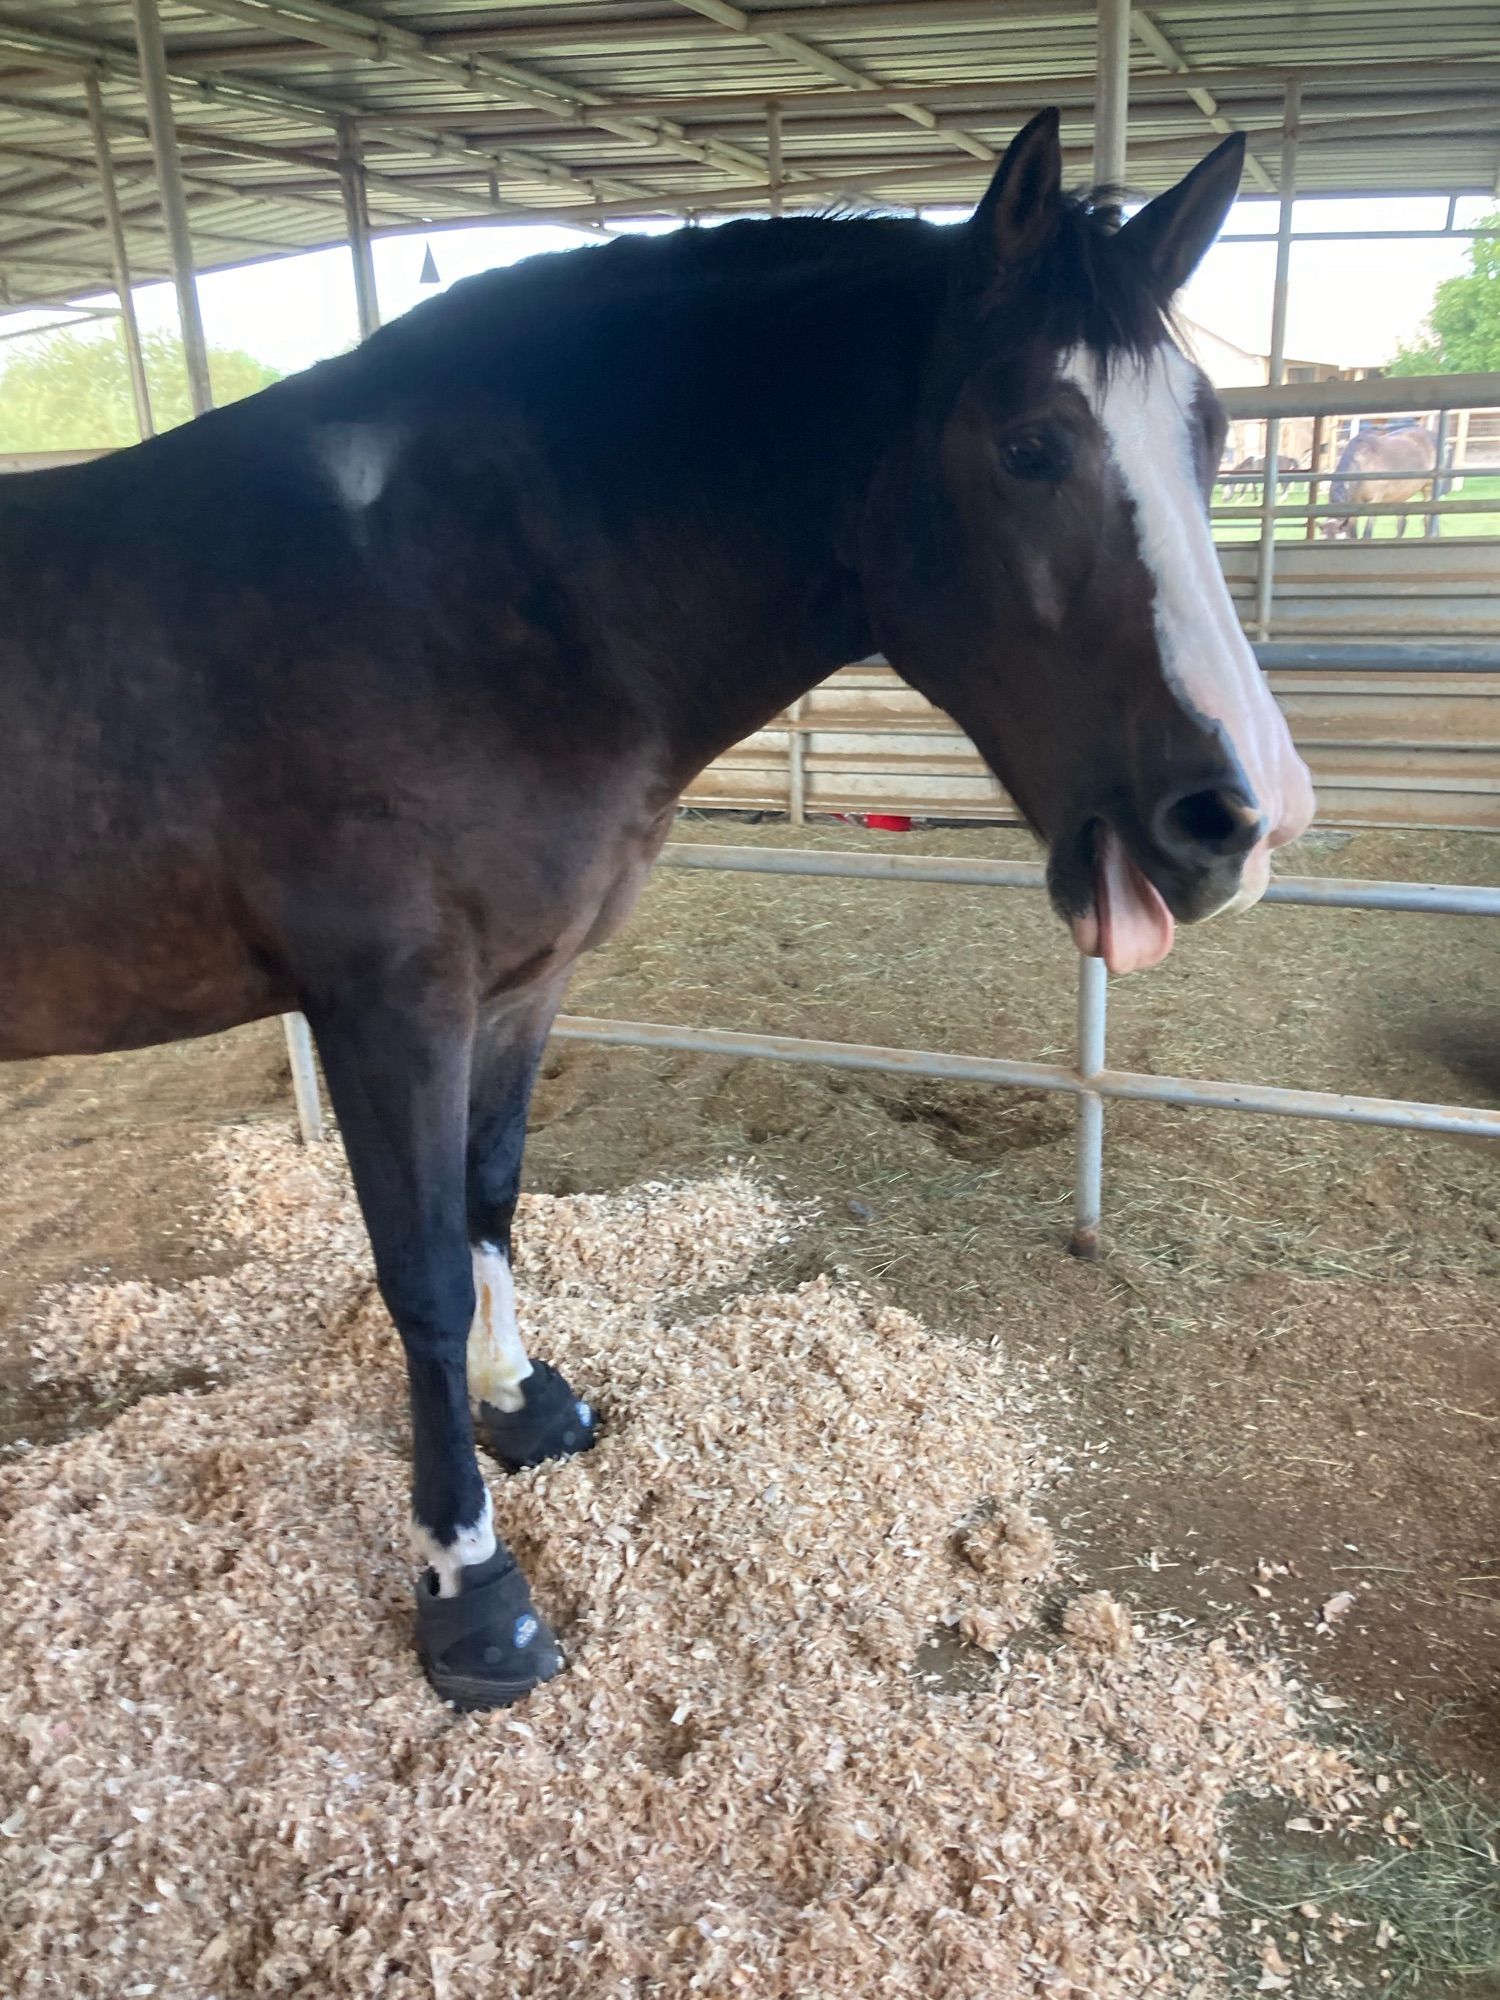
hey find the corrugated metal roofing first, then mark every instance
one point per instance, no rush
(594, 109)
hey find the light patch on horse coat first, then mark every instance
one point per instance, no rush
(359, 460)
(1144, 408)
(474, 1544)
(498, 1362)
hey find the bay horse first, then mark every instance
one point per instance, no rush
(1407, 450)
(372, 695)
(1248, 477)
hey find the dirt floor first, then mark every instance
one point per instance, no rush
(1282, 1381)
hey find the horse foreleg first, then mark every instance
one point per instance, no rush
(526, 1411)
(398, 1077)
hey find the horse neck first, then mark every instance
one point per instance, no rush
(704, 457)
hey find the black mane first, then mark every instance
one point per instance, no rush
(1080, 290)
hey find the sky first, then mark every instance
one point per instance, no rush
(1349, 303)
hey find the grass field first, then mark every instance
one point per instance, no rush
(1386, 525)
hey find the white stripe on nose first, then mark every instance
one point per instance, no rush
(1144, 407)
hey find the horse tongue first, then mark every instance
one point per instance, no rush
(1135, 927)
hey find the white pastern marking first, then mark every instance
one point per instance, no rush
(1144, 408)
(474, 1544)
(498, 1363)
(359, 459)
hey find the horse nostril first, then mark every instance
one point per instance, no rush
(1208, 824)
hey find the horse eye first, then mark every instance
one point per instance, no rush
(1034, 455)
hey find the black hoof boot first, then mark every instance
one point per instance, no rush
(486, 1647)
(553, 1422)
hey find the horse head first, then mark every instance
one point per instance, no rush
(1037, 557)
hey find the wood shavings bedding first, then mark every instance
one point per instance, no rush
(221, 1773)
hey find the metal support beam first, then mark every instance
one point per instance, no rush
(350, 32)
(773, 154)
(357, 218)
(106, 60)
(1171, 57)
(833, 69)
(118, 260)
(1265, 576)
(1111, 93)
(152, 54)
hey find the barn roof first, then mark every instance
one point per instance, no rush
(589, 110)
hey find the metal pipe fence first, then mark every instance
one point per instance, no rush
(1089, 1079)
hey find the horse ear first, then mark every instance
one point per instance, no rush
(1019, 209)
(1171, 233)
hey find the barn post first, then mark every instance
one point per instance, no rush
(1265, 577)
(1111, 92)
(119, 261)
(796, 770)
(152, 55)
(357, 220)
(773, 153)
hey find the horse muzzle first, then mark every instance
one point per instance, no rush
(1204, 850)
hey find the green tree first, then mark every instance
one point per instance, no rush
(1461, 335)
(69, 391)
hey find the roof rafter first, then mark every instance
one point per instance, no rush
(110, 62)
(383, 41)
(1166, 51)
(795, 49)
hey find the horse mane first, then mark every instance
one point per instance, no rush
(695, 262)
(1079, 290)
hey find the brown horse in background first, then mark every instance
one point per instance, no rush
(1407, 451)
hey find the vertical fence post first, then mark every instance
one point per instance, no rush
(1314, 466)
(796, 768)
(299, 1050)
(152, 55)
(1434, 523)
(1088, 1180)
(1265, 577)
(119, 261)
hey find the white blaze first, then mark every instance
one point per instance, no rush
(1144, 408)
(498, 1362)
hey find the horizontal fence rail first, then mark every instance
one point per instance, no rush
(1396, 734)
(1311, 891)
(1088, 1079)
(1382, 395)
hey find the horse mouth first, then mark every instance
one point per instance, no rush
(1113, 908)
(1119, 910)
